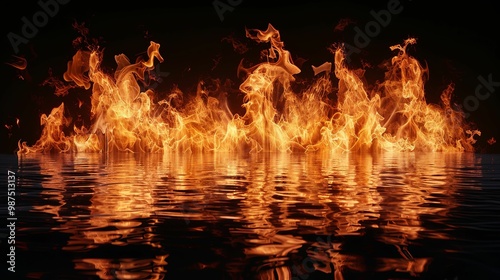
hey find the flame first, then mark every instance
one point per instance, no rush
(18, 62)
(393, 115)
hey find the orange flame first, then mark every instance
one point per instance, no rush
(393, 116)
(19, 63)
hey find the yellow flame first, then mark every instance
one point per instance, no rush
(393, 116)
(18, 62)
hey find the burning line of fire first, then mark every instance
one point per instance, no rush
(394, 116)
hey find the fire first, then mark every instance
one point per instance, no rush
(391, 116)
(19, 63)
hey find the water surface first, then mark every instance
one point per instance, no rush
(265, 216)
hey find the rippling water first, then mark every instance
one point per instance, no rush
(266, 216)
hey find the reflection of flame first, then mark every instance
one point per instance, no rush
(276, 203)
(125, 268)
(113, 217)
(392, 116)
(355, 194)
(390, 205)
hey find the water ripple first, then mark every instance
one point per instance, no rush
(270, 216)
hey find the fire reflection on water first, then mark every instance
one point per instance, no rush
(288, 215)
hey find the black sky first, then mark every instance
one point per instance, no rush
(458, 42)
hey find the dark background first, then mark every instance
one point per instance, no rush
(458, 42)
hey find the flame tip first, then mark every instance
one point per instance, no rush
(393, 116)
